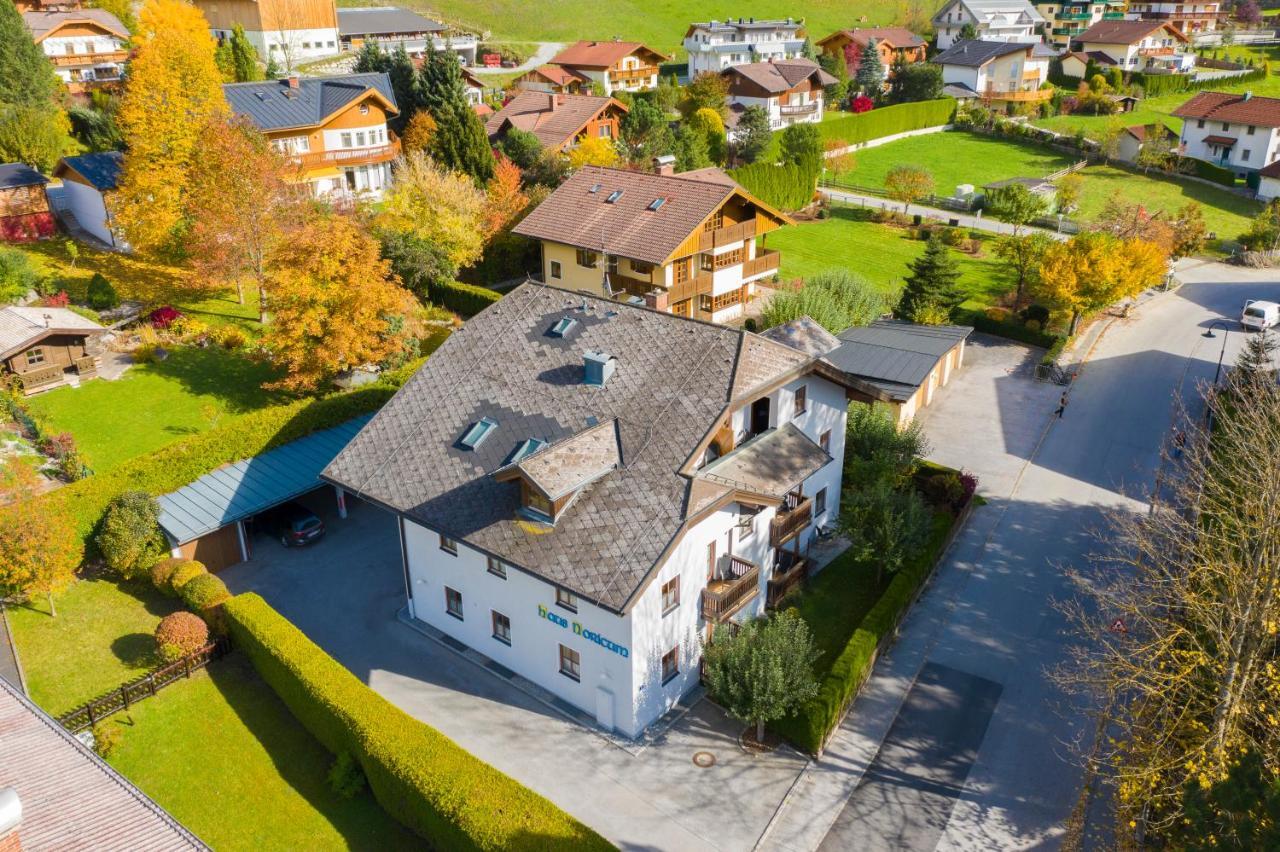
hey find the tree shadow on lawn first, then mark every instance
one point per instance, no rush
(303, 762)
(233, 378)
(136, 650)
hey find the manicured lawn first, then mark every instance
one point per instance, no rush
(154, 404)
(1225, 213)
(879, 253)
(101, 637)
(223, 754)
(955, 158)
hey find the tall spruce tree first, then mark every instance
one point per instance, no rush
(931, 284)
(1255, 360)
(460, 142)
(26, 74)
(870, 74)
(404, 84)
(244, 58)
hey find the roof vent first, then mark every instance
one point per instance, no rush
(613, 196)
(562, 327)
(599, 367)
(1248, 95)
(479, 430)
(262, 96)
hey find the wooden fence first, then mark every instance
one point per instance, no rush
(124, 697)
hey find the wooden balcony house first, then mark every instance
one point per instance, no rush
(737, 585)
(795, 513)
(46, 347)
(789, 571)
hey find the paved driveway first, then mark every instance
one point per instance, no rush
(345, 591)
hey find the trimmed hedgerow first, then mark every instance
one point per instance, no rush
(419, 776)
(162, 574)
(886, 121)
(204, 592)
(466, 299)
(184, 574)
(1213, 172)
(788, 187)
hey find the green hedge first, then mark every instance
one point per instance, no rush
(788, 187)
(1055, 351)
(1214, 172)
(466, 299)
(421, 777)
(1012, 330)
(886, 121)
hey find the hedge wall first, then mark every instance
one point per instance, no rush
(886, 121)
(466, 299)
(1012, 330)
(419, 776)
(1214, 172)
(788, 187)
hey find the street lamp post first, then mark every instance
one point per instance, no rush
(1209, 334)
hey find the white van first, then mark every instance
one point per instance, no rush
(1260, 316)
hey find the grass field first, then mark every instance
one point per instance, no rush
(879, 253)
(1225, 213)
(223, 754)
(155, 404)
(101, 637)
(660, 24)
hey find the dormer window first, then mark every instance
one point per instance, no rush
(539, 506)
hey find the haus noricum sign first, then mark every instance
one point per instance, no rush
(579, 630)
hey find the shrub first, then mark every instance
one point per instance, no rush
(466, 299)
(130, 539)
(184, 574)
(59, 299)
(969, 484)
(1013, 331)
(1054, 352)
(18, 275)
(788, 187)
(164, 317)
(1033, 325)
(180, 634)
(998, 314)
(203, 592)
(952, 236)
(889, 120)
(101, 295)
(107, 737)
(345, 778)
(1038, 313)
(228, 336)
(418, 775)
(836, 300)
(162, 574)
(942, 489)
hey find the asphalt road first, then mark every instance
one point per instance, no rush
(960, 740)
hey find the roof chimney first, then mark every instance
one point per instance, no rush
(664, 165)
(598, 366)
(553, 100)
(292, 80)
(10, 820)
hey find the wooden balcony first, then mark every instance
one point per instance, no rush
(41, 378)
(738, 233)
(1033, 95)
(1156, 51)
(765, 262)
(630, 286)
(347, 156)
(789, 571)
(633, 75)
(1180, 16)
(798, 109)
(722, 598)
(65, 59)
(87, 367)
(689, 289)
(786, 525)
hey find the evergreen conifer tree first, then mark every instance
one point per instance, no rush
(26, 74)
(460, 142)
(870, 71)
(404, 84)
(244, 58)
(931, 284)
(1255, 359)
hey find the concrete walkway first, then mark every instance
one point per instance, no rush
(966, 220)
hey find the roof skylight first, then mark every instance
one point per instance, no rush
(656, 203)
(525, 449)
(595, 187)
(479, 430)
(562, 326)
(613, 196)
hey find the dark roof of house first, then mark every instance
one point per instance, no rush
(556, 119)
(14, 175)
(780, 76)
(20, 327)
(577, 216)
(1237, 109)
(383, 20)
(974, 53)
(43, 22)
(895, 37)
(70, 797)
(894, 355)
(273, 105)
(804, 334)
(601, 54)
(101, 169)
(1271, 170)
(674, 380)
(1123, 32)
(1221, 140)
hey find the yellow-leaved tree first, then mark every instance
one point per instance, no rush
(437, 206)
(593, 151)
(334, 303)
(173, 88)
(1095, 269)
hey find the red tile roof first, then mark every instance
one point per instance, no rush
(556, 119)
(558, 76)
(602, 54)
(1221, 140)
(1124, 32)
(1271, 171)
(895, 37)
(1236, 109)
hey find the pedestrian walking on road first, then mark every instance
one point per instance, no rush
(1062, 405)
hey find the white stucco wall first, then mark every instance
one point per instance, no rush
(86, 204)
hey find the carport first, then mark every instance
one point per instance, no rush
(206, 519)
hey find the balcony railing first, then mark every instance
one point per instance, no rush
(89, 58)
(789, 571)
(722, 598)
(799, 109)
(1179, 16)
(1156, 51)
(41, 378)
(787, 524)
(689, 289)
(633, 75)
(764, 262)
(708, 240)
(348, 156)
(1033, 95)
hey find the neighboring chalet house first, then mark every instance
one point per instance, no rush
(1238, 132)
(682, 243)
(1065, 21)
(88, 47)
(714, 46)
(55, 793)
(895, 44)
(389, 28)
(87, 182)
(1002, 74)
(1188, 18)
(994, 20)
(905, 361)
(48, 347)
(332, 130)
(1151, 47)
(586, 489)
(559, 121)
(24, 206)
(554, 79)
(288, 31)
(791, 91)
(1133, 139)
(626, 66)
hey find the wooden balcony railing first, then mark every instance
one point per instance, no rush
(1180, 16)
(787, 525)
(87, 367)
(765, 261)
(708, 240)
(1033, 95)
(633, 75)
(630, 286)
(1156, 51)
(41, 378)
(348, 156)
(788, 572)
(689, 289)
(722, 598)
(89, 58)
(798, 109)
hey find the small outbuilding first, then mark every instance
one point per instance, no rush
(209, 519)
(87, 181)
(49, 347)
(24, 207)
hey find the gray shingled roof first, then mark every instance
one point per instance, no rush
(22, 327)
(805, 335)
(383, 20)
(43, 22)
(272, 105)
(974, 54)
(894, 355)
(673, 380)
(772, 463)
(780, 76)
(102, 169)
(14, 175)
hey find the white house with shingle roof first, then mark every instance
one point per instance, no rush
(994, 20)
(790, 91)
(585, 489)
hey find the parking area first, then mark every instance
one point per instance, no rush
(345, 592)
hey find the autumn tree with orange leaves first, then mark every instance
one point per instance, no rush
(173, 88)
(39, 549)
(1095, 269)
(334, 303)
(505, 199)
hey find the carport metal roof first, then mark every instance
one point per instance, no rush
(245, 488)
